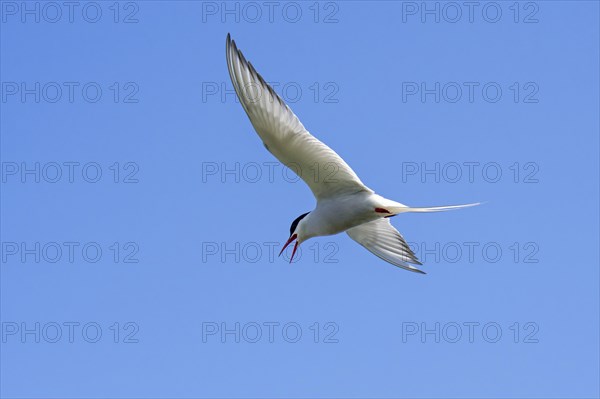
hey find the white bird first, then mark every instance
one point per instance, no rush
(344, 203)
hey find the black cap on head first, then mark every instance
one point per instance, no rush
(296, 221)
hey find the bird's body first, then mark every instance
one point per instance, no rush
(338, 214)
(344, 202)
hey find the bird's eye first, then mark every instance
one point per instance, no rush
(295, 222)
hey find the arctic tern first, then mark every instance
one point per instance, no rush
(344, 203)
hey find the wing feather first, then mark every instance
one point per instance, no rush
(282, 133)
(383, 240)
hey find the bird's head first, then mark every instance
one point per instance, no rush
(296, 233)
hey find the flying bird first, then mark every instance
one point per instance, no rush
(344, 203)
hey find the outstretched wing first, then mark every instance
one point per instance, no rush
(282, 133)
(383, 240)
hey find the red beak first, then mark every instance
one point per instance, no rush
(288, 242)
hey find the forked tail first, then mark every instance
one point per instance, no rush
(438, 208)
(404, 209)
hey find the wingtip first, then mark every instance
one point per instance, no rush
(230, 42)
(413, 269)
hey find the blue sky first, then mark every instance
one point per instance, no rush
(141, 216)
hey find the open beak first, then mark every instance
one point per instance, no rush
(289, 241)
